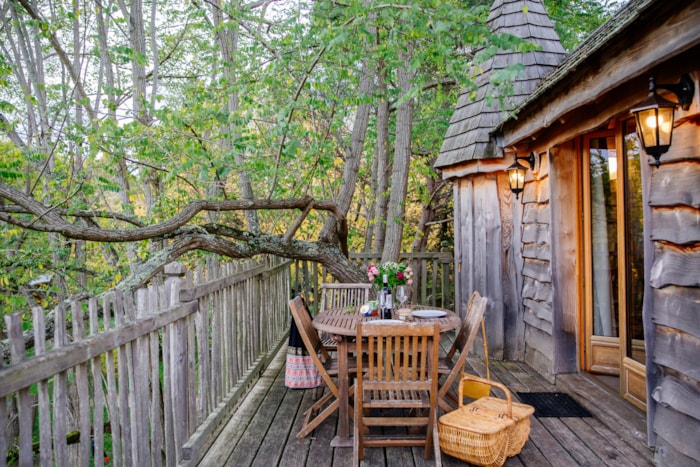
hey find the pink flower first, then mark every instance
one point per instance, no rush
(410, 281)
(399, 275)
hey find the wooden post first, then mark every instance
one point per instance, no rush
(176, 360)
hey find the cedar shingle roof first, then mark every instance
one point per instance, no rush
(467, 137)
(623, 19)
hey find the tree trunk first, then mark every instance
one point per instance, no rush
(353, 155)
(227, 37)
(383, 164)
(402, 160)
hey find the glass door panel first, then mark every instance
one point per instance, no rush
(633, 377)
(614, 259)
(603, 220)
(634, 245)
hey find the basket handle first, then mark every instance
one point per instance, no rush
(468, 377)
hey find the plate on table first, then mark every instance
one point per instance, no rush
(387, 321)
(428, 313)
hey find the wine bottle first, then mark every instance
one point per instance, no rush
(385, 297)
(388, 305)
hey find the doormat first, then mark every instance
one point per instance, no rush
(553, 404)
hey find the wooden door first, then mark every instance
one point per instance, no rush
(614, 259)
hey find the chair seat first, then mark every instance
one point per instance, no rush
(328, 342)
(396, 399)
(332, 366)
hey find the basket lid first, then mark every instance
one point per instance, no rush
(476, 420)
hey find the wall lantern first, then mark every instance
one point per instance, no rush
(655, 115)
(516, 173)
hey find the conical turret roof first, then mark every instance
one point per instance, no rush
(467, 137)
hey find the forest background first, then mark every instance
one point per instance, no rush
(134, 133)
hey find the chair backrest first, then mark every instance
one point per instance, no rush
(463, 343)
(470, 325)
(309, 336)
(405, 355)
(342, 295)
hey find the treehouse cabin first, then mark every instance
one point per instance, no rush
(592, 262)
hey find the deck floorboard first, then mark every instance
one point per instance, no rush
(262, 431)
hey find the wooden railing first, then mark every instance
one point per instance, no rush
(148, 377)
(144, 378)
(433, 277)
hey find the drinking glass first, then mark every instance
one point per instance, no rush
(402, 292)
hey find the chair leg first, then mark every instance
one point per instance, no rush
(436, 442)
(311, 425)
(319, 403)
(444, 405)
(357, 453)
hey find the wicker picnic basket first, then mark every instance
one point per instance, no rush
(486, 431)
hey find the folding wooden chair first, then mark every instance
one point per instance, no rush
(326, 365)
(397, 385)
(451, 366)
(344, 294)
(341, 295)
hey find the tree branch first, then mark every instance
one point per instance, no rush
(49, 220)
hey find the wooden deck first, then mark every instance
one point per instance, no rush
(262, 430)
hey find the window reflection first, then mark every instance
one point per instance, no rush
(634, 244)
(604, 236)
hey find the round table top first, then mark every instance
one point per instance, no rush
(343, 321)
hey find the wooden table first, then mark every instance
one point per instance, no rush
(342, 323)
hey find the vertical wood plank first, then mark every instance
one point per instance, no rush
(191, 376)
(60, 389)
(169, 421)
(125, 381)
(98, 392)
(13, 323)
(112, 393)
(217, 353)
(202, 325)
(81, 381)
(3, 429)
(151, 306)
(178, 371)
(46, 449)
(140, 376)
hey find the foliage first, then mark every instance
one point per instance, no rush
(397, 274)
(574, 20)
(235, 101)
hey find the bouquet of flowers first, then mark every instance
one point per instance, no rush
(397, 274)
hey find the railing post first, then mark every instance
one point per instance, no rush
(175, 273)
(175, 344)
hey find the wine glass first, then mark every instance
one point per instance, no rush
(402, 292)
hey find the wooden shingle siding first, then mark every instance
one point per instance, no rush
(537, 271)
(681, 307)
(674, 277)
(679, 225)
